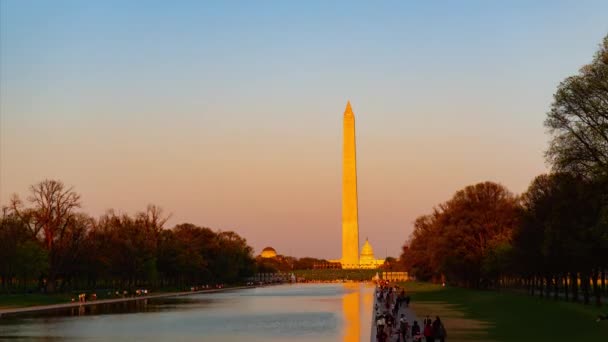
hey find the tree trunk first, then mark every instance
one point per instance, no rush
(574, 284)
(566, 286)
(596, 288)
(556, 287)
(585, 284)
(604, 280)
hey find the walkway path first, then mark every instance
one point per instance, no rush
(410, 315)
(12, 311)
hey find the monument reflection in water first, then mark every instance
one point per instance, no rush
(302, 312)
(357, 310)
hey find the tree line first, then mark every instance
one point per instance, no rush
(552, 240)
(47, 244)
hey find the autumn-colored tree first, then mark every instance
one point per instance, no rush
(461, 238)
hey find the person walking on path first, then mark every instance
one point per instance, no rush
(381, 336)
(380, 323)
(428, 331)
(388, 306)
(439, 330)
(403, 328)
(416, 335)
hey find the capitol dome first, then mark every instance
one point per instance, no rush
(367, 251)
(268, 252)
(367, 258)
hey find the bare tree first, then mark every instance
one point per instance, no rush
(153, 218)
(53, 208)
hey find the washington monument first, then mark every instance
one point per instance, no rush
(350, 211)
(350, 219)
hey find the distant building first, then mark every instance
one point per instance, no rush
(367, 258)
(268, 253)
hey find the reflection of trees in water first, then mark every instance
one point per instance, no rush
(105, 309)
(133, 306)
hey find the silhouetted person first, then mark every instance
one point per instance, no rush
(428, 332)
(416, 335)
(439, 330)
(403, 327)
(381, 336)
(380, 323)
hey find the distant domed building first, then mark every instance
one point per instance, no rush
(367, 258)
(268, 253)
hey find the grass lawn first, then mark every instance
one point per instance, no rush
(472, 315)
(21, 300)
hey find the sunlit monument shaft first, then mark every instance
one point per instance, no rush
(350, 221)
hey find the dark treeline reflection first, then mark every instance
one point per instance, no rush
(551, 240)
(133, 306)
(47, 244)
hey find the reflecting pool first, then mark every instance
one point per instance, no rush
(302, 312)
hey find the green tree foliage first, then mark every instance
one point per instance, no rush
(51, 245)
(282, 263)
(560, 235)
(578, 120)
(307, 263)
(553, 239)
(578, 123)
(235, 258)
(31, 259)
(21, 256)
(50, 217)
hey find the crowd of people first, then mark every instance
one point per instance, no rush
(391, 327)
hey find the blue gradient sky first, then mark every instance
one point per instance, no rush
(228, 114)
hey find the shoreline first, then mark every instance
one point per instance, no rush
(50, 307)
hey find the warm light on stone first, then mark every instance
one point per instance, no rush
(350, 220)
(350, 216)
(367, 259)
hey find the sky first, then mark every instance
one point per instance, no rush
(228, 114)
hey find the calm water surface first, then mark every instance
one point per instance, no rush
(303, 312)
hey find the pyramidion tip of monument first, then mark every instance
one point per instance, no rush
(349, 109)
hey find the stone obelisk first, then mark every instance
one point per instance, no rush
(350, 220)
